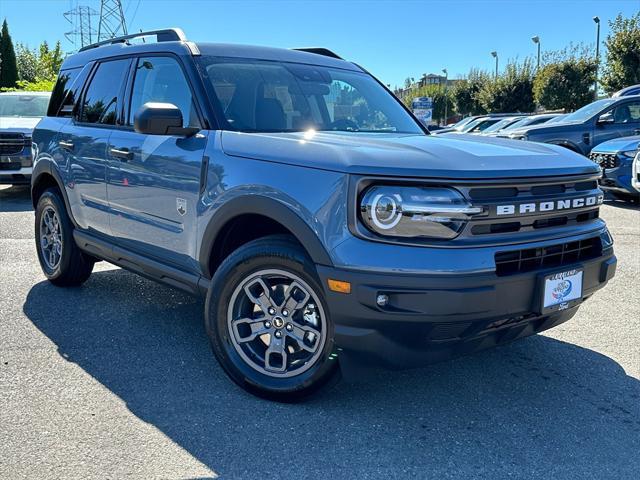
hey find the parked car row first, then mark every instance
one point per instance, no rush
(607, 131)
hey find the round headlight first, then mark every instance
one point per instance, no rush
(405, 211)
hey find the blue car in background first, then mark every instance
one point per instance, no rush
(616, 159)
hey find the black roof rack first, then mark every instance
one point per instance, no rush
(162, 35)
(320, 51)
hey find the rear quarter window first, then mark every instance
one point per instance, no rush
(65, 87)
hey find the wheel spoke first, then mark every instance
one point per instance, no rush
(262, 297)
(296, 297)
(300, 335)
(256, 325)
(52, 257)
(276, 350)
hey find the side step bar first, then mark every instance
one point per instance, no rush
(153, 270)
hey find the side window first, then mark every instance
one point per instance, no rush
(627, 113)
(100, 103)
(160, 79)
(62, 89)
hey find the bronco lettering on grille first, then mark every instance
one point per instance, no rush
(550, 206)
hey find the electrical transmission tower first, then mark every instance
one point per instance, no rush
(112, 22)
(82, 19)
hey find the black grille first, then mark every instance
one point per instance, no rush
(12, 143)
(605, 160)
(531, 259)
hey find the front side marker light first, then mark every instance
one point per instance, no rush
(339, 286)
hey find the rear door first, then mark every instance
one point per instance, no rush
(154, 180)
(83, 144)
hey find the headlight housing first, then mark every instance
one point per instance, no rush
(415, 211)
(629, 153)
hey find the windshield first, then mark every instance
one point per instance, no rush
(505, 122)
(458, 126)
(585, 113)
(23, 105)
(267, 96)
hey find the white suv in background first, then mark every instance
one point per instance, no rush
(20, 112)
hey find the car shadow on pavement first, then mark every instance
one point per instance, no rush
(538, 408)
(16, 198)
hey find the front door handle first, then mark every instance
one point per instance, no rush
(122, 154)
(67, 145)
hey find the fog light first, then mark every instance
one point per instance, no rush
(382, 300)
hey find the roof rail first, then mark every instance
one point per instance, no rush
(320, 51)
(162, 35)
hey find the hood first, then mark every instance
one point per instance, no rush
(19, 124)
(456, 157)
(623, 144)
(559, 127)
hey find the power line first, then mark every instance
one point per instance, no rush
(112, 23)
(82, 18)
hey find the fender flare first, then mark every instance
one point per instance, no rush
(45, 166)
(267, 207)
(566, 144)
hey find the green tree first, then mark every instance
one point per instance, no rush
(8, 66)
(622, 66)
(27, 62)
(510, 92)
(466, 92)
(566, 84)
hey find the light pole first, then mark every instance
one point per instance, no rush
(495, 55)
(446, 100)
(536, 40)
(595, 85)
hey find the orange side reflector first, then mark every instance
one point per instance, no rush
(339, 286)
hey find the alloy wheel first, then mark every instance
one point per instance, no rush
(276, 323)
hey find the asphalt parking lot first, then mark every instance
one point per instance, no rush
(116, 380)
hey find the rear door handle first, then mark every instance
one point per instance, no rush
(66, 144)
(636, 131)
(123, 154)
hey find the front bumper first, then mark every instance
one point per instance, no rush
(16, 169)
(430, 318)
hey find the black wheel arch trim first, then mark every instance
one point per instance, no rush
(267, 207)
(44, 166)
(566, 144)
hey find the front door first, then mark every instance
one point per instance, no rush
(621, 121)
(154, 180)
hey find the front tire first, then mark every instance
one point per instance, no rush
(268, 321)
(61, 260)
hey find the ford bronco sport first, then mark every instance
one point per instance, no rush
(325, 227)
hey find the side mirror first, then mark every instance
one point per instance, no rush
(606, 118)
(156, 118)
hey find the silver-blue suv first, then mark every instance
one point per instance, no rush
(324, 225)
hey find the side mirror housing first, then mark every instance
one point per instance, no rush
(605, 118)
(155, 118)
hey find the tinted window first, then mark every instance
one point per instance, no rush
(627, 113)
(160, 79)
(268, 96)
(62, 89)
(100, 102)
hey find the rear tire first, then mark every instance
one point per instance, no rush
(268, 321)
(62, 262)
